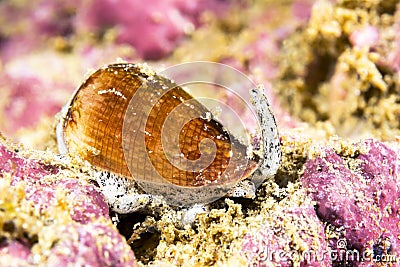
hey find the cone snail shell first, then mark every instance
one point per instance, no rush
(115, 121)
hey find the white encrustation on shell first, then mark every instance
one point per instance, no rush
(271, 152)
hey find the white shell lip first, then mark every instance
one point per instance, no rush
(62, 146)
(61, 143)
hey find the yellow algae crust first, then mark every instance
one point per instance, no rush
(323, 77)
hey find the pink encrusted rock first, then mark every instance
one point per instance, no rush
(14, 253)
(391, 51)
(26, 100)
(86, 201)
(90, 245)
(89, 238)
(367, 36)
(153, 28)
(276, 245)
(22, 168)
(32, 23)
(359, 194)
(301, 9)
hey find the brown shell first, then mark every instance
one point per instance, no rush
(93, 127)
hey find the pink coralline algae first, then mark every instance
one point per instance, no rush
(85, 200)
(45, 19)
(391, 54)
(359, 195)
(26, 101)
(86, 237)
(93, 245)
(367, 36)
(153, 28)
(14, 253)
(22, 168)
(301, 9)
(297, 239)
